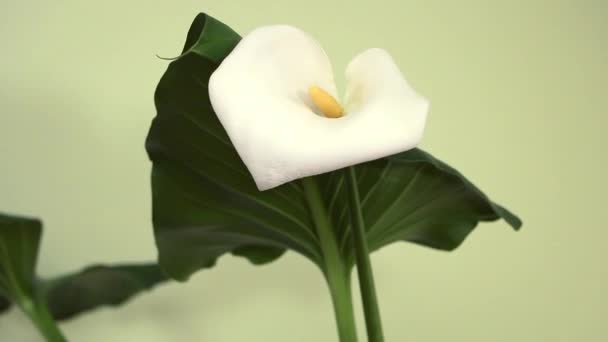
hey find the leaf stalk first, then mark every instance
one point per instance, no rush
(39, 314)
(336, 272)
(371, 308)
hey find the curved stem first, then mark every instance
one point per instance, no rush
(335, 271)
(43, 320)
(371, 309)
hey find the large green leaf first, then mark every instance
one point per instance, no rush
(411, 197)
(205, 202)
(69, 295)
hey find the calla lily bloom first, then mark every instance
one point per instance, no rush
(276, 97)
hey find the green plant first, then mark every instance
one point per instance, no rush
(206, 204)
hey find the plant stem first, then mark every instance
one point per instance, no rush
(42, 319)
(335, 271)
(371, 309)
(339, 287)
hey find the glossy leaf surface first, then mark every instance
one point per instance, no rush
(411, 197)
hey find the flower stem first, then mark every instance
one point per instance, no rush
(335, 271)
(371, 309)
(42, 319)
(339, 287)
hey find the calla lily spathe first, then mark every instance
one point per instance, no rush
(261, 95)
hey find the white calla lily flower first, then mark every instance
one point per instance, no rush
(275, 95)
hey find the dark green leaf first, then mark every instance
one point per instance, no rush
(192, 226)
(66, 296)
(5, 304)
(19, 240)
(205, 202)
(99, 285)
(412, 197)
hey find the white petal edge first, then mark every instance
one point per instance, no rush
(259, 93)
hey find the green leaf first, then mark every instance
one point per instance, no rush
(19, 241)
(205, 203)
(68, 295)
(95, 286)
(255, 225)
(5, 304)
(411, 197)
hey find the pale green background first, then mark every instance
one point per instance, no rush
(519, 104)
